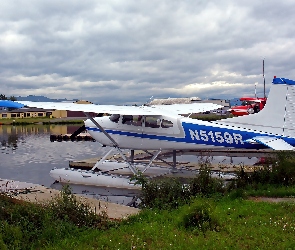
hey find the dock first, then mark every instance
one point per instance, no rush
(114, 164)
(69, 137)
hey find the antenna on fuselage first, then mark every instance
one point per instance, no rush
(263, 78)
(149, 100)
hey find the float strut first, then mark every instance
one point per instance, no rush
(151, 160)
(102, 159)
(132, 155)
(174, 169)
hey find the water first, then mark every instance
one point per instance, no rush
(28, 155)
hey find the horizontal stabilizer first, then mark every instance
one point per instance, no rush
(272, 142)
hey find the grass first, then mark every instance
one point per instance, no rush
(238, 224)
(24, 225)
(36, 120)
(224, 221)
(202, 214)
(235, 224)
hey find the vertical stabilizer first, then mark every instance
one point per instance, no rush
(278, 115)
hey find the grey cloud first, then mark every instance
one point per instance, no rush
(133, 50)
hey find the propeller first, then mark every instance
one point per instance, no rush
(77, 132)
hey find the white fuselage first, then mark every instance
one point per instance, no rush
(168, 133)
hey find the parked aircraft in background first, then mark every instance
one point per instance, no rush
(250, 105)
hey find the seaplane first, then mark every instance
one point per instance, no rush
(170, 127)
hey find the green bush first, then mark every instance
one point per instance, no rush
(169, 193)
(163, 194)
(199, 217)
(205, 184)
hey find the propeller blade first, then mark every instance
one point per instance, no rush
(77, 132)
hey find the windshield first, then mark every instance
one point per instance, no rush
(245, 103)
(115, 118)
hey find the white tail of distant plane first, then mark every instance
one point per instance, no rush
(278, 115)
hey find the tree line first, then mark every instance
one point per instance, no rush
(11, 98)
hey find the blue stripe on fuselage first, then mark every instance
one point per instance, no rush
(217, 136)
(204, 134)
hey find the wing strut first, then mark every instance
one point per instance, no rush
(115, 145)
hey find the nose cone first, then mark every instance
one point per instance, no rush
(88, 123)
(102, 121)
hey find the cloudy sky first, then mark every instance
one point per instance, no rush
(124, 52)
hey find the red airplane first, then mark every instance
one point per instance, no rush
(250, 105)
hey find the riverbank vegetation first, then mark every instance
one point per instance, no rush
(205, 213)
(39, 120)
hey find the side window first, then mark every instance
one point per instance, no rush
(134, 120)
(127, 119)
(115, 118)
(152, 122)
(166, 124)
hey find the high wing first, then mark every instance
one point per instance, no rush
(127, 110)
(188, 108)
(272, 142)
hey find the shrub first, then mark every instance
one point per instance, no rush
(199, 217)
(169, 193)
(163, 194)
(66, 207)
(205, 184)
(281, 171)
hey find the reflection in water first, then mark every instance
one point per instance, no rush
(28, 155)
(10, 143)
(8, 140)
(10, 136)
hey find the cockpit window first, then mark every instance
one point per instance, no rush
(245, 103)
(152, 122)
(134, 120)
(166, 124)
(115, 118)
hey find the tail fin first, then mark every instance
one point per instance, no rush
(278, 115)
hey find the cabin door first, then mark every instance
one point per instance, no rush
(132, 125)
